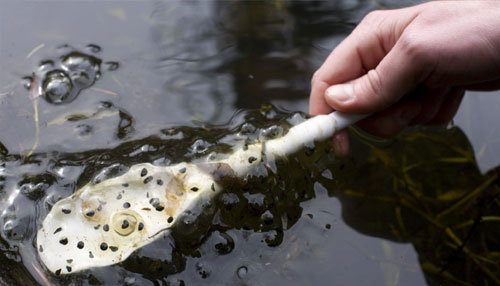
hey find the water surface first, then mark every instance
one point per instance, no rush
(86, 87)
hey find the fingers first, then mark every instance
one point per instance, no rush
(449, 107)
(399, 72)
(415, 111)
(485, 86)
(391, 121)
(431, 100)
(361, 51)
(429, 106)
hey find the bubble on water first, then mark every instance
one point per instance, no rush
(106, 104)
(256, 202)
(93, 48)
(14, 230)
(57, 87)
(273, 238)
(200, 146)
(27, 81)
(271, 132)
(83, 69)
(241, 272)
(63, 78)
(111, 66)
(212, 156)
(267, 217)
(46, 64)
(225, 243)
(229, 200)
(247, 128)
(34, 191)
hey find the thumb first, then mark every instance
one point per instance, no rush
(398, 73)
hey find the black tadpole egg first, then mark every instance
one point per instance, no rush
(183, 170)
(80, 244)
(58, 272)
(148, 179)
(144, 172)
(63, 241)
(104, 246)
(105, 227)
(251, 159)
(159, 182)
(141, 226)
(66, 211)
(126, 205)
(90, 213)
(125, 224)
(159, 208)
(68, 268)
(154, 202)
(170, 219)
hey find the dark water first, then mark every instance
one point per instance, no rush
(86, 87)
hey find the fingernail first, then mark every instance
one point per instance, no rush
(340, 93)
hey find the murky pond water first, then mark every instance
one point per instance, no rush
(88, 89)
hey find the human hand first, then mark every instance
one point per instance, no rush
(410, 66)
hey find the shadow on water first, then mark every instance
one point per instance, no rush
(410, 210)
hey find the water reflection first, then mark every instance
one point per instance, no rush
(197, 64)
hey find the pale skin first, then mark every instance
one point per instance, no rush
(410, 66)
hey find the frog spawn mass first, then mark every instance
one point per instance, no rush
(102, 224)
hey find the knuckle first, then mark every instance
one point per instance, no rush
(375, 89)
(373, 17)
(416, 49)
(318, 80)
(315, 78)
(374, 84)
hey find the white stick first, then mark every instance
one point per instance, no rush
(318, 128)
